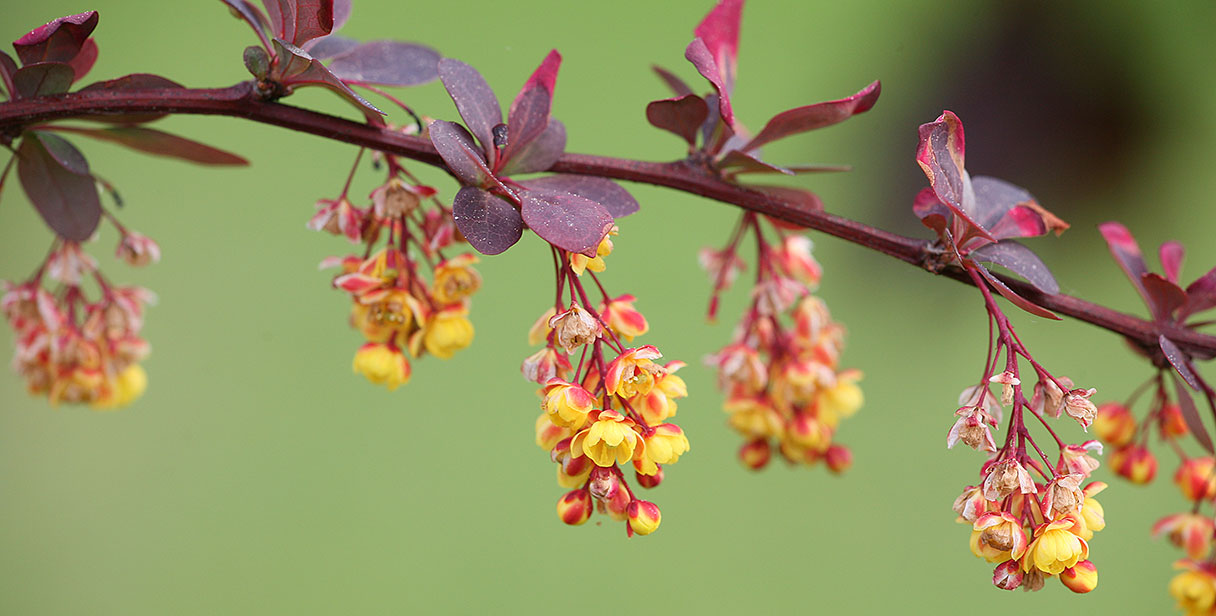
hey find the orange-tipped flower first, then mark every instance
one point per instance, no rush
(1115, 424)
(1081, 578)
(575, 507)
(1195, 588)
(447, 332)
(623, 318)
(633, 373)
(1171, 421)
(644, 517)
(664, 445)
(567, 405)
(1055, 548)
(1196, 479)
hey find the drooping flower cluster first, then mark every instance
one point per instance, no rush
(780, 373)
(609, 411)
(71, 348)
(400, 311)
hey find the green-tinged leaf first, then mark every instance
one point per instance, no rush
(296, 68)
(67, 201)
(159, 143)
(42, 79)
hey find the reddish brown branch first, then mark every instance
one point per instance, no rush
(241, 101)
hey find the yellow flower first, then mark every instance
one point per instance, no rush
(541, 328)
(660, 403)
(1092, 518)
(632, 373)
(455, 280)
(664, 446)
(1194, 589)
(579, 262)
(382, 364)
(623, 318)
(567, 405)
(549, 435)
(610, 440)
(754, 416)
(1055, 548)
(998, 537)
(842, 399)
(448, 332)
(379, 315)
(126, 388)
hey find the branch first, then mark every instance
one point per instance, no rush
(241, 101)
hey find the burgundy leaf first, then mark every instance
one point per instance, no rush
(811, 117)
(42, 79)
(137, 81)
(720, 31)
(677, 85)
(389, 63)
(474, 100)
(67, 201)
(699, 55)
(941, 155)
(1006, 210)
(1019, 260)
(567, 221)
(1171, 260)
(615, 199)
(64, 153)
(711, 124)
(541, 153)
(1191, 415)
(58, 41)
(7, 69)
(744, 162)
(489, 223)
(1126, 251)
(804, 199)
(682, 116)
(926, 205)
(1201, 294)
(1167, 296)
(462, 156)
(330, 46)
(1179, 360)
(159, 143)
(297, 68)
(1017, 300)
(83, 62)
(300, 21)
(529, 114)
(250, 14)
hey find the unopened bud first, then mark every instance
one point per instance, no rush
(651, 481)
(1134, 463)
(137, 249)
(1196, 479)
(644, 517)
(755, 454)
(839, 458)
(1081, 578)
(604, 483)
(1115, 424)
(575, 507)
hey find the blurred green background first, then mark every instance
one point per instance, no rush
(259, 476)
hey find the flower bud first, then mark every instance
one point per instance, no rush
(575, 507)
(644, 517)
(755, 454)
(1171, 420)
(1076, 459)
(839, 458)
(1007, 575)
(382, 364)
(617, 507)
(1115, 424)
(1190, 531)
(1196, 480)
(1134, 463)
(809, 432)
(604, 483)
(1081, 578)
(650, 481)
(137, 249)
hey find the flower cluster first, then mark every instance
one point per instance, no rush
(74, 349)
(397, 308)
(1118, 427)
(782, 380)
(603, 414)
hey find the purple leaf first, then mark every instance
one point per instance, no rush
(1191, 415)
(811, 117)
(541, 153)
(699, 55)
(137, 81)
(83, 62)
(341, 14)
(42, 79)
(159, 143)
(1167, 296)
(297, 68)
(67, 201)
(489, 223)
(1179, 360)
(300, 21)
(388, 63)
(743, 162)
(250, 14)
(1171, 260)
(330, 46)
(720, 31)
(567, 221)
(7, 69)
(474, 100)
(529, 114)
(1017, 300)
(682, 116)
(677, 85)
(58, 41)
(1006, 210)
(64, 153)
(1126, 251)
(459, 152)
(615, 199)
(1019, 260)
(941, 156)
(1201, 294)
